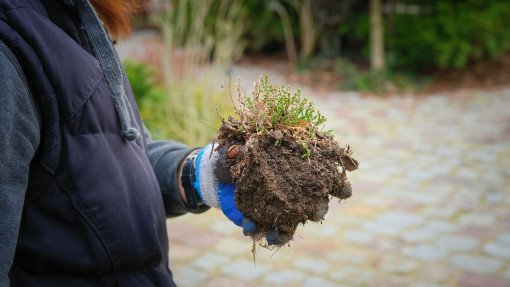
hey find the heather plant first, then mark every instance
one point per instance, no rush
(277, 108)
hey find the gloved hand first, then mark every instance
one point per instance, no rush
(216, 189)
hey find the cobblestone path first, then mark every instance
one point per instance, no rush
(431, 203)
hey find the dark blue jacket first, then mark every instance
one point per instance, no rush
(93, 212)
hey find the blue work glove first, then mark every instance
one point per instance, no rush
(273, 238)
(217, 189)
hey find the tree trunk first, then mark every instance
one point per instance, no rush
(287, 30)
(376, 37)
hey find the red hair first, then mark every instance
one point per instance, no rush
(116, 14)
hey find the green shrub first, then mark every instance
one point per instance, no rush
(150, 97)
(191, 110)
(454, 34)
(201, 41)
(185, 112)
(355, 79)
(265, 32)
(445, 34)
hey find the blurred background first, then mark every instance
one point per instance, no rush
(420, 90)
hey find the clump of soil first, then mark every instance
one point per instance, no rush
(286, 169)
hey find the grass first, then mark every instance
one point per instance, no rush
(277, 108)
(198, 51)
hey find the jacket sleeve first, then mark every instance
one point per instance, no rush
(165, 158)
(19, 139)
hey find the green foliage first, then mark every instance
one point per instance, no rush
(185, 114)
(265, 31)
(279, 106)
(207, 31)
(439, 33)
(262, 28)
(444, 33)
(355, 79)
(277, 110)
(308, 152)
(201, 39)
(452, 35)
(145, 88)
(191, 114)
(149, 95)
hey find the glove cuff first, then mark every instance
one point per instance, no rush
(188, 178)
(206, 183)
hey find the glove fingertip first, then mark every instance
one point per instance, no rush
(249, 227)
(273, 238)
(237, 219)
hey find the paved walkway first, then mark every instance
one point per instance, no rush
(431, 203)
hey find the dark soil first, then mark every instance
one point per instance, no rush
(278, 188)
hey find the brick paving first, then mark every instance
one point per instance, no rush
(431, 203)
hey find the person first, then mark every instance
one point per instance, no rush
(84, 190)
